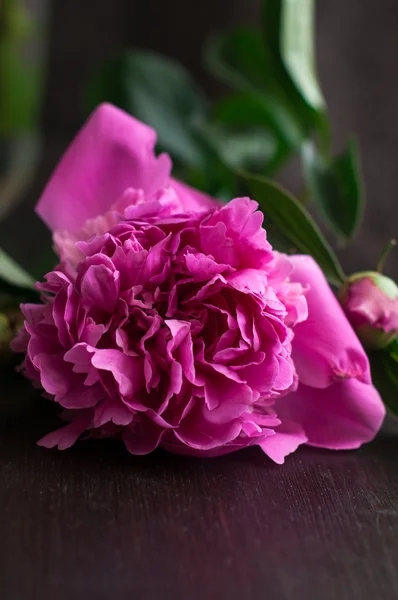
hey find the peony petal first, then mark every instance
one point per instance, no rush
(343, 416)
(143, 436)
(66, 436)
(288, 437)
(81, 396)
(325, 347)
(234, 235)
(111, 153)
(126, 370)
(367, 304)
(54, 373)
(100, 288)
(225, 399)
(199, 431)
(191, 199)
(112, 410)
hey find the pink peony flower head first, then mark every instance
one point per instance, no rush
(170, 321)
(370, 301)
(173, 331)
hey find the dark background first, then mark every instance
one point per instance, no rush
(357, 61)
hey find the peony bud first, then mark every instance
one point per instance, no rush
(370, 301)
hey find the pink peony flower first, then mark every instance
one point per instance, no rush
(171, 321)
(370, 301)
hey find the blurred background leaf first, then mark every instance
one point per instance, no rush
(274, 113)
(16, 285)
(384, 367)
(158, 91)
(281, 33)
(295, 223)
(240, 59)
(336, 186)
(297, 49)
(12, 273)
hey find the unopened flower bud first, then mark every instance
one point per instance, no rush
(370, 301)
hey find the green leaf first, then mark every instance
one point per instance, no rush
(158, 91)
(15, 283)
(252, 109)
(240, 59)
(289, 37)
(297, 49)
(242, 148)
(384, 367)
(279, 40)
(246, 149)
(295, 223)
(336, 186)
(12, 273)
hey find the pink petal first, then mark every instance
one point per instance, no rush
(66, 436)
(343, 416)
(112, 152)
(288, 437)
(126, 370)
(191, 199)
(367, 304)
(81, 396)
(225, 399)
(55, 375)
(199, 431)
(99, 288)
(325, 347)
(143, 436)
(112, 410)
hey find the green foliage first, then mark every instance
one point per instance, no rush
(297, 49)
(15, 284)
(336, 186)
(240, 59)
(158, 91)
(276, 88)
(274, 111)
(384, 366)
(295, 223)
(161, 92)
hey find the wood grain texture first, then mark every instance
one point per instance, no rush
(95, 522)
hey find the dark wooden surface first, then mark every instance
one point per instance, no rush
(95, 522)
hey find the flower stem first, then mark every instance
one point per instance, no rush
(384, 254)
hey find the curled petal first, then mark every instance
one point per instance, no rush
(343, 416)
(111, 153)
(325, 347)
(191, 199)
(144, 435)
(65, 437)
(287, 438)
(200, 432)
(126, 370)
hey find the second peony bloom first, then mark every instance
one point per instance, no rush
(170, 320)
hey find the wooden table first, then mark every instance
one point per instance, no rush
(95, 522)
